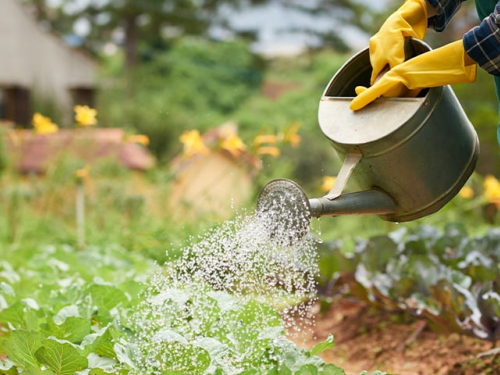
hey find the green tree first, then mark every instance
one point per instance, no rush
(196, 84)
(154, 22)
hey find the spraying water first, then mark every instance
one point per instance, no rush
(226, 304)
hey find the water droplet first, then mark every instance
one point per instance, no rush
(219, 271)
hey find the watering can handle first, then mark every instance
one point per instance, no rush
(350, 161)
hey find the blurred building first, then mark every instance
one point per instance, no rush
(32, 153)
(38, 65)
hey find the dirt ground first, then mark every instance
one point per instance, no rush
(368, 339)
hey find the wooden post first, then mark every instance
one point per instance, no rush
(80, 213)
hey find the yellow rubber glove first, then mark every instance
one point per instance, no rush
(442, 66)
(387, 46)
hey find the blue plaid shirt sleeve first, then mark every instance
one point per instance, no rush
(445, 9)
(482, 43)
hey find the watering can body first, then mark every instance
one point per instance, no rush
(408, 156)
(419, 151)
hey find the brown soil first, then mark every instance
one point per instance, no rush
(368, 339)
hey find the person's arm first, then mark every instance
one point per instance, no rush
(441, 12)
(482, 43)
(431, 10)
(452, 8)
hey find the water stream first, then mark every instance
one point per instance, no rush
(233, 294)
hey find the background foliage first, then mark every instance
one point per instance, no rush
(170, 75)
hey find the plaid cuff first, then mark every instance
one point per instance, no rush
(482, 43)
(446, 9)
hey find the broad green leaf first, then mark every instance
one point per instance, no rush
(331, 369)
(7, 289)
(224, 300)
(284, 370)
(106, 296)
(167, 335)
(132, 288)
(14, 315)
(307, 370)
(103, 345)
(21, 346)
(65, 313)
(37, 371)
(455, 230)
(11, 371)
(62, 358)
(7, 272)
(271, 333)
(31, 319)
(215, 348)
(103, 363)
(31, 303)
(250, 321)
(416, 247)
(379, 250)
(292, 358)
(321, 347)
(97, 371)
(73, 329)
(125, 353)
(333, 261)
(175, 356)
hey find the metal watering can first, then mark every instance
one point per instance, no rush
(409, 156)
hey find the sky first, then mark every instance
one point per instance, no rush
(272, 20)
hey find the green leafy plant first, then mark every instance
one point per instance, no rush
(448, 278)
(64, 311)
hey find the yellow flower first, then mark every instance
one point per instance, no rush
(234, 145)
(138, 138)
(269, 150)
(492, 189)
(327, 184)
(43, 125)
(84, 115)
(466, 192)
(82, 173)
(264, 138)
(193, 143)
(291, 135)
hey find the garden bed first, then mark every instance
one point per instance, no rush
(397, 343)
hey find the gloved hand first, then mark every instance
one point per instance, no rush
(387, 46)
(442, 66)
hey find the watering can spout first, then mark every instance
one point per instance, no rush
(370, 202)
(286, 212)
